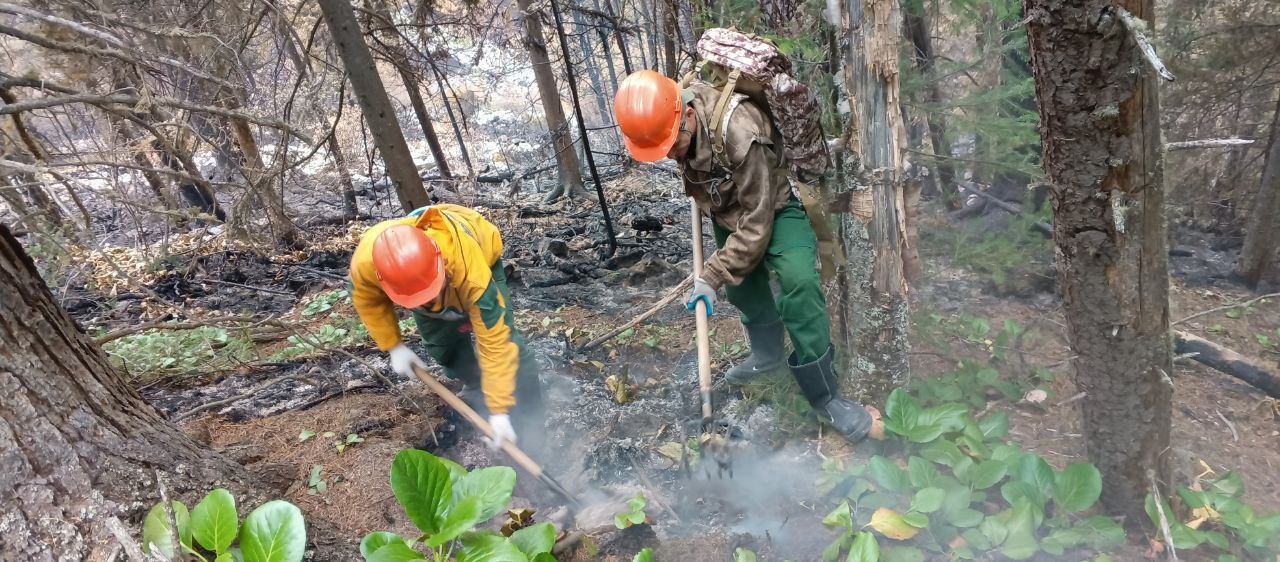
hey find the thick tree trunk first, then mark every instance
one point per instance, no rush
(872, 294)
(667, 18)
(561, 141)
(378, 112)
(684, 21)
(1103, 155)
(80, 448)
(920, 33)
(350, 210)
(1260, 258)
(254, 170)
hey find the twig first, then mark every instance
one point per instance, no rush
(338, 393)
(1137, 28)
(1075, 398)
(1234, 436)
(218, 403)
(262, 289)
(1208, 143)
(1226, 307)
(1164, 521)
(671, 296)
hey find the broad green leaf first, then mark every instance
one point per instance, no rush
(1193, 499)
(1229, 558)
(274, 532)
(1181, 535)
(456, 472)
(305, 435)
(891, 524)
(916, 519)
(424, 488)
(1217, 539)
(984, 474)
(922, 473)
(887, 474)
(645, 555)
(1057, 542)
(902, 407)
(928, 500)
(839, 517)
(535, 540)
(1008, 454)
(864, 549)
(902, 554)
(943, 452)
(487, 546)
(994, 425)
(1102, 533)
(157, 533)
(743, 555)
(951, 417)
(462, 518)
(1077, 487)
(924, 433)
(214, 522)
(226, 557)
(965, 518)
(373, 541)
(995, 530)
(1032, 469)
(491, 486)
(977, 540)
(1228, 484)
(1021, 542)
(1014, 490)
(833, 550)
(544, 557)
(395, 551)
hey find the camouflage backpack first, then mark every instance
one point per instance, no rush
(745, 66)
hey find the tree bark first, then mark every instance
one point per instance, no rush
(920, 33)
(593, 71)
(1260, 257)
(667, 19)
(350, 210)
(81, 449)
(561, 141)
(254, 170)
(378, 112)
(453, 121)
(618, 37)
(1099, 108)
(872, 320)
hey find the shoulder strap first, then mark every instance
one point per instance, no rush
(719, 120)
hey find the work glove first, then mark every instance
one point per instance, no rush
(502, 431)
(403, 359)
(702, 291)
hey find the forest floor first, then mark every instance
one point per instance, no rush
(618, 413)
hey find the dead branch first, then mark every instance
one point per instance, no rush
(253, 287)
(1226, 307)
(1164, 520)
(96, 99)
(1227, 361)
(1137, 28)
(1043, 227)
(1208, 143)
(671, 296)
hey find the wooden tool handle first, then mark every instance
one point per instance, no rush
(482, 424)
(700, 319)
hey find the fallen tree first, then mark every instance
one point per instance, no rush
(1227, 361)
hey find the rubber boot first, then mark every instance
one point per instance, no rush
(767, 353)
(818, 382)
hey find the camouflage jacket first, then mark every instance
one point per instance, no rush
(741, 189)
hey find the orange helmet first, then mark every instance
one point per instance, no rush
(410, 269)
(648, 107)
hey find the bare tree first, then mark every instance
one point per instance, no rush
(1100, 110)
(1260, 258)
(562, 142)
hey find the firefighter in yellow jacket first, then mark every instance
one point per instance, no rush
(444, 263)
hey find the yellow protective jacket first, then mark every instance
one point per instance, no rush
(470, 246)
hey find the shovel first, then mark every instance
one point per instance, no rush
(483, 425)
(714, 440)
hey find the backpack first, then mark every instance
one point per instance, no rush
(745, 66)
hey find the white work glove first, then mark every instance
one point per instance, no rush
(702, 291)
(403, 359)
(502, 431)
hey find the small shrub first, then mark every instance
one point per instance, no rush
(274, 532)
(156, 353)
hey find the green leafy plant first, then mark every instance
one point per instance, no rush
(446, 503)
(315, 482)
(1219, 519)
(634, 515)
(352, 439)
(645, 555)
(274, 532)
(157, 353)
(324, 302)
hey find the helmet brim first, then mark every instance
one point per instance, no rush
(417, 298)
(656, 152)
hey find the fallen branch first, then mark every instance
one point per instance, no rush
(253, 287)
(336, 394)
(1208, 143)
(671, 296)
(1138, 28)
(219, 403)
(1227, 361)
(1226, 307)
(1043, 227)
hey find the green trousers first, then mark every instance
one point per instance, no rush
(792, 257)
(449, 342)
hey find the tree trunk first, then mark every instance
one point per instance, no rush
(378, 112)
(684, 21)
(1260, 257)
(562, 142)
(81, 449)
(350, 210)
(618, 37)
(873, 292)
(1104, 159)
(453, 121)
(667, 19)
(593, 71)
(920, 33)
(254, 170)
